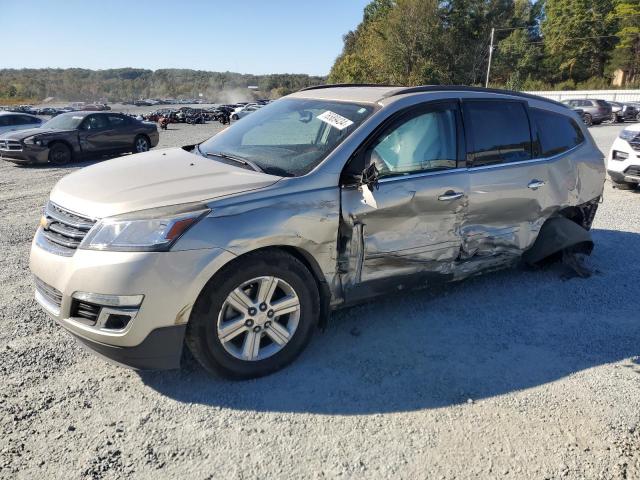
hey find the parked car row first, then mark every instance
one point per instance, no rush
(596, 111)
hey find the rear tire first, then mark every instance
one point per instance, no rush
(60, 154)
(587, 119)
(222, 331)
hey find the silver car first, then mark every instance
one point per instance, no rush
(241, 246)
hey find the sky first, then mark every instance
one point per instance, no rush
(246, 36)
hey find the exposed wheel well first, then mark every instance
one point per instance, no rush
(582, 214)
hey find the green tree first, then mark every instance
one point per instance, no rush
(626, 55)
(578, 37)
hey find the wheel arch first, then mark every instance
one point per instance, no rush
(305, 258)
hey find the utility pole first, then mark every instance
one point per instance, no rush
(493, 31)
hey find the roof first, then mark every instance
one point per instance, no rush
(369, 93)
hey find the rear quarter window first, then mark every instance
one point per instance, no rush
(498, 132)
(556, 133)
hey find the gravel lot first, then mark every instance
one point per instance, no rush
(517, 374)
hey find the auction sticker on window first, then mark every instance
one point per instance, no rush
(335, 120)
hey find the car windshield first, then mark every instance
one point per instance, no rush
(289, 137)
(64, 122)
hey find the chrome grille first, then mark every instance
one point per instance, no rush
(633, 170)
(64, 228)
(10, 146)
(49, 294)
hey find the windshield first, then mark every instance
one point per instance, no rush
(289, 137)
(64, 122)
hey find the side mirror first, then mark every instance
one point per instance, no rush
(370, 176)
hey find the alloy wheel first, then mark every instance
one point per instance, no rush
(258, 318)
(142, 145)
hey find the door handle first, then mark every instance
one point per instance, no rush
(450, 195)
(535, 184)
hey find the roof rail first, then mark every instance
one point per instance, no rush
(338, 85)
(463, 88)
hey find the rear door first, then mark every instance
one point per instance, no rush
(410, 224)
(122, 131)
(96, 134)
(508, 196)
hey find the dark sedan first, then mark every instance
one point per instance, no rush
(78, 135)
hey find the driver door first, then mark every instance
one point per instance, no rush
(409, 226)
(96, 134)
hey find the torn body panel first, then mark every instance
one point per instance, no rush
(414, 228)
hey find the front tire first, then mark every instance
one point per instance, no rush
(255, 316)
(60, 154)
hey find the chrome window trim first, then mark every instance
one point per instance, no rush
(473, 169)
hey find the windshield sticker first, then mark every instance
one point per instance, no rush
(335, 120)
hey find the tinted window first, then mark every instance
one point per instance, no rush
(25, 120)
(96, 122)
(498, 132)
(601, 103)
(556, 133)
(117, 121)
(425, 141)
(4, 120)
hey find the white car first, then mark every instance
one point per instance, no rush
(623, 161)
(237, 115)
(11, 121)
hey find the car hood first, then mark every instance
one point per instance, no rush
(634, 127)
(153, 179)
(28, 132)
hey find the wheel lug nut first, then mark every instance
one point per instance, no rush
(270, 314)
(263, 307)
(249, 323)
(267, 324)
(252, 311)
(256, 328)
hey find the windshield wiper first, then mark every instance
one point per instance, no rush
(241, 161)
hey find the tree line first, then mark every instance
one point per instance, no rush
(539, 44)
(133, 83)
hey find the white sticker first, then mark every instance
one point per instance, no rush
(335, 120)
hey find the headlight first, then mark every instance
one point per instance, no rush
(34, 140)
(146, 231)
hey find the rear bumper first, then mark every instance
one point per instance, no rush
(161, 350)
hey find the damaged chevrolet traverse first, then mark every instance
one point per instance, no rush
(239, 248)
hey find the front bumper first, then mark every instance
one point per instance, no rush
(168, 282)
(161, 350)
(627, 169)
(28, 154)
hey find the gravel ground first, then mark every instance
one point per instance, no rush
(517, 374)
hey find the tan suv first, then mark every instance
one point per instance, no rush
(240, 247)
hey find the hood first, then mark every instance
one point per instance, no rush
(22, 134)
(634, 127)
(153, 179)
